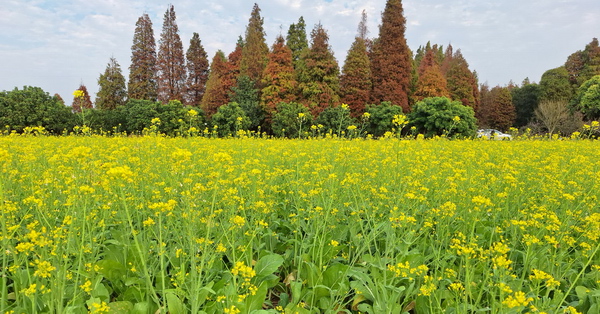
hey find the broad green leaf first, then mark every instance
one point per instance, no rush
(267, 265)
(174, 304)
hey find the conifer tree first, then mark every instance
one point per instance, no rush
(296, 40)
(142, 71)
(81, 99)
(171, 62)
(497, 109)
(111, 92)
(278, 78)
(391, 59)
(318, 74)
(232, 69)
(431, 81)
(355, 81)
(215, 95)
(197, 71)
(255, 50)
(462, 83)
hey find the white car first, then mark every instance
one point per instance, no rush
(493, 134)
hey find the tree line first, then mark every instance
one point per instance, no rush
(266, 89)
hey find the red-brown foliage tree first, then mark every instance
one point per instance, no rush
(391, 58)
(142, 71)
(171, 62)
(197, 71)
(81, 99)
(215, 95)
(279, 80)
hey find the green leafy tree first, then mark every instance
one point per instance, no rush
(442, 116)
(355, 81)
(555, 85)
(171, 62)
(81, 99)
(112, 92)
(255, 50)
(216, 94)
(32, 107)
(587, 99)
(525, 99)
(142, 71)
(197, 71)
(246, 96)
(230, 118)
(318, 75)
(297, 40)
(391, 59)
(279, 81)
(140, 114)
(291, 120)
(335, 119)
(380, 117)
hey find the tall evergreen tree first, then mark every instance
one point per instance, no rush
(391, 58)
(555, 85)
(142, 71)
(111, 92)
(355, 81)
(171, 62)
(215, 95)
(318, 75)
(255, 50)
(81, 99)
(431, 81)
(296, 40)
(197, 71)
(246, 96)
(497, 109)
(462, 83)
(278, 80)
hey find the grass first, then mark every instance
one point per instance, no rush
(197, 225)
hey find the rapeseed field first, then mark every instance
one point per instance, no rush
(199, 225)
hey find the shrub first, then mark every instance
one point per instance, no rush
(291, 120)
(442, 116)
(381, 117)
(230, 118)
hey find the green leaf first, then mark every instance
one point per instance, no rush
(581, 291)
(267, 265)
(120, 307)
(174, 305)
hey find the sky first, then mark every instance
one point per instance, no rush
(58, 44)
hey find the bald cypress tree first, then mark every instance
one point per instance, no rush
(197, 71)
(391, 58)
(355, 81)
(111, 92)
(215, 95)
(81, 99)
(232, 69)
(278, 78)
(296, 40)
(171, 62)
(255, 50)
(462, 83)
(142, 71)
(431, 81)
(318, 74)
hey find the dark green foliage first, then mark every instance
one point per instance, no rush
(246, 95)
(381, 117)
(112, 92)
(587, 99)
(114, 120)
(437, 116)
(525, 99)
(229, 119)
(555, 85)
(335, 119)
(31, 107)
(583, 65)
(296, 40)
(140, 113)
(291, 120)
(318, 74)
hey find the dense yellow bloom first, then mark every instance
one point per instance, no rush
(43, 268)
(517, 299)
